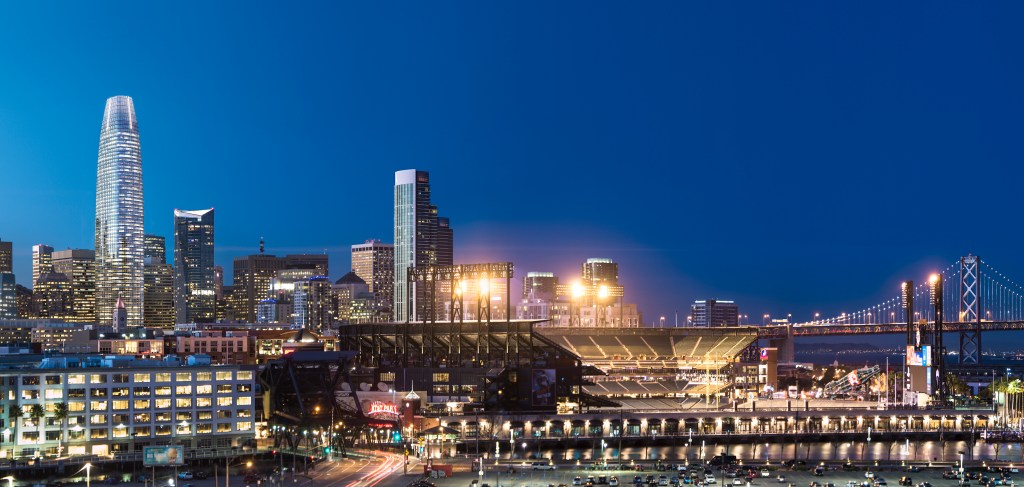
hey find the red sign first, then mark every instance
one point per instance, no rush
(380, 408)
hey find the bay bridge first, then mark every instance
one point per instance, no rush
(978, 297)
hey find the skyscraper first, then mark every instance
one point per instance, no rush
(374, 263)
(119, 214)
(540, 285)
(713, 312)
(41, 261)
(80, 267)
(421, 238)
(157, 284)
(601, 271)
(6, 257)
(195, 279)
(251, 276)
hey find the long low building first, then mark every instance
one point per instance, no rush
(113, 406)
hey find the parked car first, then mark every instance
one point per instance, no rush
(765, 472)
(613, 481)
(709, 479)
(186, 475)
(577, 480)
(906, 481)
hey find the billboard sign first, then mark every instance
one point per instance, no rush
(921, 356)
(161, 456)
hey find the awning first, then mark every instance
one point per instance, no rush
(653, 421)
(633, 421)
(674, 420)
(578, 422)
(470, 423)
(517, 424)
(438, 431)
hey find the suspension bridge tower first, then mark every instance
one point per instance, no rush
(970, 309)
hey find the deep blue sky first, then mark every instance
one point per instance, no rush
(794, 156)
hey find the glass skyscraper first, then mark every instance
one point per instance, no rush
(119, 214)
(421, 238)
(194, 273)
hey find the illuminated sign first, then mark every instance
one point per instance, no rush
(764, 354)
(158, 456)
(921, 356)
(380, 408)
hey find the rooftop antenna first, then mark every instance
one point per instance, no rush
(261, 245)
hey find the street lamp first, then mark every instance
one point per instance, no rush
(10, 480)
(88, 477)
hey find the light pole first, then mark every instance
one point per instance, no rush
(9, 479)
(88, 477)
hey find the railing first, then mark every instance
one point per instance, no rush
(199, 453)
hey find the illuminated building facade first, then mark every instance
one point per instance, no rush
(79, 265)
(120, 404)
(374, 263)
(41, 261)
(195, 278)
(421, 238)
(119, 213)
(158, 284)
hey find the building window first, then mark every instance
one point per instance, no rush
(141, 391)
(204, 402)
(225, 401)
(223, 414)
(440, 377)
(244, 426)
(76, 378)
(224, 389)
(120, 431)
(142, 418)
(243, 387)
(204, 376)
(53, 380)
(119, 392)
(76, 393)
(183, 390)
(163, 430)
(141, 431)
(387, 376)
(163, 403)
(120, 404)
(142, 404)
(224, 375)
(204, 428)
(244, 374)
(183, 402)
(98, 419)
(204, 389)
(119, 378)
(183, 416)
(76, 406)
(224, 427)
(163, 391)
(95, 433)
(244, 413)
(98, 405)
(30, 436)
(163, 376)
(245, 401)
(96, 392)
(139, 378)
(97, 378)
(163, 417)
(183, 376)
(30, 380)
(207, 415)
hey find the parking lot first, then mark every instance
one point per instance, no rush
(524, 475)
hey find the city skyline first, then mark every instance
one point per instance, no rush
(819, 167)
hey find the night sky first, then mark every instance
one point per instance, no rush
(793, 156)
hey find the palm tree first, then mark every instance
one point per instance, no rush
(36, 412)
(60, 412)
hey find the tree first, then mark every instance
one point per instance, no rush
(36, 412)
(60, 412)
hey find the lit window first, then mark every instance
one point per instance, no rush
(142, 377)
(226, 375)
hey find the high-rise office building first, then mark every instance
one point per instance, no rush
(421, 238)
(79, 265)
(218, 281)
(158, 284)
(154, 249)
(8, 296)
(252, 275)
(53, 297)
(374, 263)
(41, 261)
(312, 304)
(712, 312)
(540, 285)
(601, 271)
(317, 262)
(195, 277)
(6, 257)
(119, 213)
